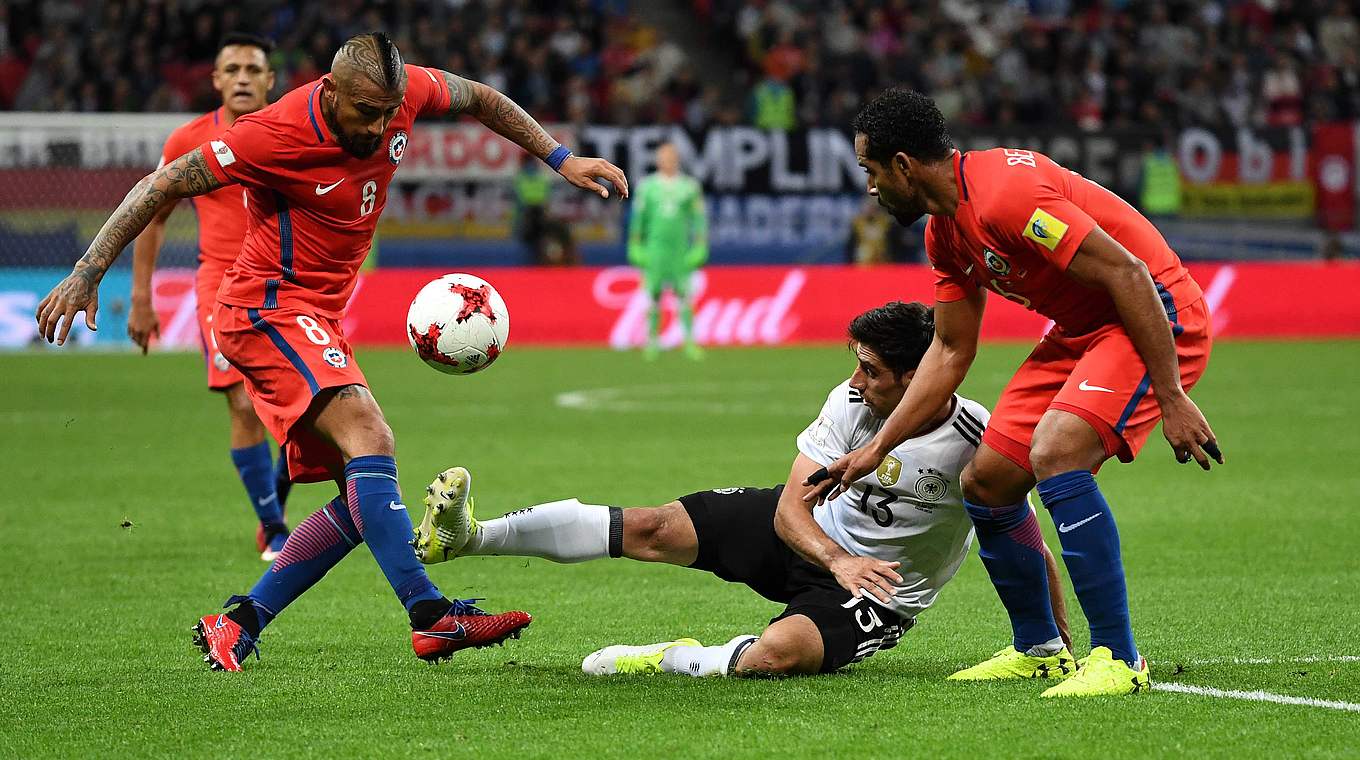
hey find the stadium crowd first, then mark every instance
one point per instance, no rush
(1095, 63)
(572, 60)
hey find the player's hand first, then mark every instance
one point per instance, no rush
(866, 575)
(841, 474)
(78, 292)
(582, 172)
(143, 324)
(1188, 432)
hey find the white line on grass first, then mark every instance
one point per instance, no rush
(1257, 696)
(1271, 660)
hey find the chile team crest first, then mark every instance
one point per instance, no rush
(397, 147)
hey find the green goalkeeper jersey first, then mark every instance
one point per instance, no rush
(668, 230)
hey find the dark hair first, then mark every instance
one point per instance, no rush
(389, 59)
(245, 38)
(903, 121)
(898, 332)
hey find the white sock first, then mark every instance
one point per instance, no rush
(1046, 649)
(562, 531)
(706, 661)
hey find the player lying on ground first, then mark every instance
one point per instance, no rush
(854, 572)
(243, 78)
(316, 166)
(1131, 336)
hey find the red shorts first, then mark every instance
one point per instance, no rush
(221, 375)
(287, 357)
(1100, 378)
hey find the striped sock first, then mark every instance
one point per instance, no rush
(1011, 548)
(313, 548)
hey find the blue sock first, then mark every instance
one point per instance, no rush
(282, 483)
(1090, 548)
(256, 469)
(312, 549)
(375, 505)
(1011, 548)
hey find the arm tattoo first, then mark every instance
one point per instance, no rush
(499, 113)
(186, 176)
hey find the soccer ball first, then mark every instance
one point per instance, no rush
(458, 324)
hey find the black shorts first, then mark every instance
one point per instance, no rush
(737, 542)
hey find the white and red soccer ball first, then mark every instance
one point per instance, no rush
(458, 324)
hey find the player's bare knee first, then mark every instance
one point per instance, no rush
(984, 487)
(774, 658)
(657, 534)
(1063, 443)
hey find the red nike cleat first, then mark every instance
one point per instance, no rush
(224, 643)
(465, 627)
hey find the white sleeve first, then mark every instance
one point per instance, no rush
(826, 439)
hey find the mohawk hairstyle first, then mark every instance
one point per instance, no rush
(898, 332)
(245, 38)
(373, 55)
(903, 121)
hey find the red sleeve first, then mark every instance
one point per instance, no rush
(426, 91)
(243, 153)
(951, 284)
(1032, 211)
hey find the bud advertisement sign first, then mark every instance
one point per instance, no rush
(734, 306)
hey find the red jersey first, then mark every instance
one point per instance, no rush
(221, 213)
(1019, 222)
(312, 207)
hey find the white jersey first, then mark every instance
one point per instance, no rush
(911, 509)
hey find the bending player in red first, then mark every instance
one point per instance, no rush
(1131, 335)
(316, 166)
(243, 77)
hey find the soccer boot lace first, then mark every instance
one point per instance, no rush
(1009, 663)
(448, 521)
(1100, 675)
(625, 659)
(465, 626)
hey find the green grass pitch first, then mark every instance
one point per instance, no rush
(1241, 579)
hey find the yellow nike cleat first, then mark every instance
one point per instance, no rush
(622, 659)
(448, 521)
(1009, 663)
(1101, 675)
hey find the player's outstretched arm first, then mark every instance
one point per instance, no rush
(504, 117)
(794, 524)
(941, 371)
(184, 177)
(1101, 262)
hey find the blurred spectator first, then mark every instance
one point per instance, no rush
(548, 239)
(869, 233)
(1095, 63)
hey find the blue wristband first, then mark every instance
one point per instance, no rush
(559, 155)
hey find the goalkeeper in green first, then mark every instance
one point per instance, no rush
(668, 241)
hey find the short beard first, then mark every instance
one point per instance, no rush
(328, 116)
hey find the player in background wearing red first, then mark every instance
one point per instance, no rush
(1131, 336)
(316, 166)
(243, 77)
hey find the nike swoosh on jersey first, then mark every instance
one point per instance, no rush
(1085, 385)
(968, 271)
(323, 190)
(1065, 528)
(396, 506)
